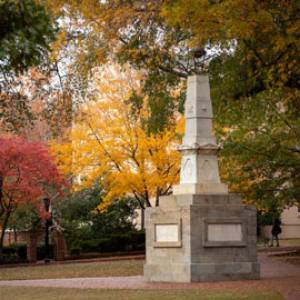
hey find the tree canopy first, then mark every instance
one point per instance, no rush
(27, 75)
(80, 220)
(250, 50)
(111, 145)
(27, 173)
(26, 31)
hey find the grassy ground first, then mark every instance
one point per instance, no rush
(286, 243)
(29, 293)
(92, 269)
(282, 243)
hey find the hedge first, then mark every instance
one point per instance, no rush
(41, 251)
(130, 241)
(19, 249)
(14, 253)
(17, 252)
(118, 242)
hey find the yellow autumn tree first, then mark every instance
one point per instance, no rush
(111, 145)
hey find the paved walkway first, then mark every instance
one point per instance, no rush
(275, 275)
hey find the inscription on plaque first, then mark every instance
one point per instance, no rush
(224, 233)
(166, 233)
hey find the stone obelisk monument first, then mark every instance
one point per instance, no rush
(201, 232)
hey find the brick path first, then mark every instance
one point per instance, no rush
(275, 275)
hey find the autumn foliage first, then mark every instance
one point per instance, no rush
(112, 146)
(27, 174)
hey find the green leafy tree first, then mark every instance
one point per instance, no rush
(132, 32)
(26, 217)
(259, 128)
(26, 31)
(81, 221)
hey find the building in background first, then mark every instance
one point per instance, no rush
(290, 219)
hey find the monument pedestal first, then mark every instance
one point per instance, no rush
(201, 232)
(201, 238)
(200, 189)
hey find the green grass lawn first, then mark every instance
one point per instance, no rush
(29, 293)
(282, 243)
(286, 243)
(91, 269)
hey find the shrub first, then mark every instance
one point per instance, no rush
(41, 251)
(20, 250)
(75, 250)
(132, 240)
(10, 258)
(16, 252)
(94, 245)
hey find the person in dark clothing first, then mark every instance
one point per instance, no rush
(276, 230)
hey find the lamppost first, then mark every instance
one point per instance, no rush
(48, 223)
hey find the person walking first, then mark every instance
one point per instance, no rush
(276, 230)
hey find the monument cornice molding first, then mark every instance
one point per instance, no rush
(196, 146)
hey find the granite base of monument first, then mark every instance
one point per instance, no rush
(201, 232)
(201, 238)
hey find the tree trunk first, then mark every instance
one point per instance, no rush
(15, 235)
(1, 185)
(157, 197)
(1, 196)
(4, 224)
(142, 218)
(148, 204)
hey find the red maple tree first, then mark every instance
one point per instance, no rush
(27, 174)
